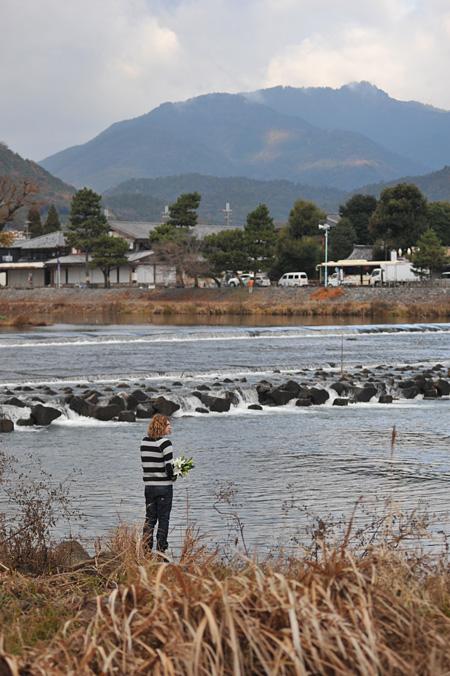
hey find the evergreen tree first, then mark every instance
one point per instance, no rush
(358, 210)
(224, 251)
(179, 247)
(34, 222)
(52, 222)
(341, 240)
(304, 219)
(438, 218)
(183, 212)
(296, 255)
(430, 256)
(260, 239)
(400, 217)
(109, 253)
(87, 223)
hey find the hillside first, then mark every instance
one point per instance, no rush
(435, 186)
(145, 198)
(51, 189)
(228, 135)
(408, 128)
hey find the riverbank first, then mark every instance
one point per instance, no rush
(47, 306)
(334, 608)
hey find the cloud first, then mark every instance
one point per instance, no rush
(71, 69)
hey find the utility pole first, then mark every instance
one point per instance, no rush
(325, 227)
(227, 214)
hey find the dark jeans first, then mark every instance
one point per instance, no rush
(158, 503)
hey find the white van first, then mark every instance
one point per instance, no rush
(293, 279)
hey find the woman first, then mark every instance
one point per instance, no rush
(157, 463)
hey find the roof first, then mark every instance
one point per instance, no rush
(22, 266)
(71, 259)
(141, 229)
(51, 241)
(361, 252)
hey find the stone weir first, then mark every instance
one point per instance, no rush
(127, 401)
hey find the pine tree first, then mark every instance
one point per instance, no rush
(109, 253)
(52, 222)
(183, 212)
(430, 256)
(34, 222)
(87, 223)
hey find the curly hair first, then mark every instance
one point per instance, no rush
(157, 426)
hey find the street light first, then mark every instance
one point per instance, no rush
(325, 227)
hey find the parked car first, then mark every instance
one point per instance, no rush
(293, 279)
(260, 280)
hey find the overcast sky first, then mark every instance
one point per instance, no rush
(70, 69)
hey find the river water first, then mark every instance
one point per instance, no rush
(279, 460)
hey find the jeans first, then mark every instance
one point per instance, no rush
(158, 503)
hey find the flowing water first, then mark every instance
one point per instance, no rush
(279, 459)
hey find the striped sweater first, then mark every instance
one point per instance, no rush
(157, 461)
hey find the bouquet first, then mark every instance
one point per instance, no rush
(182, 466)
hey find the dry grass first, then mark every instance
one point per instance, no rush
(383, 612)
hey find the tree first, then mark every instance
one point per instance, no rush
(260, 239)
(358, 210)
(108, 253)
(430, 256)
(179, 247)
(34, 222)
(13, 196)
(87, 223)
(296, 255)
(304, 219)
(224, 251)
(400, 217)
(438, 218)
(341, 239)
(183, 212)
(52, 222)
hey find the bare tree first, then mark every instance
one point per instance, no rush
(14, 194)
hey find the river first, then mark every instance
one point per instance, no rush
(280, 460)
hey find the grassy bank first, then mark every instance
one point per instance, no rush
(40, 306)
(337, 611)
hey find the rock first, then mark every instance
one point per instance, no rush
(199, 409)
(123, 385)
(292, 386)
(304, 401)
(438, 367)
(144, 411)
(216, 385)
(127, 416)
(216, 404)
(116, 400)
(38, 399)
(25, 422)
(68, 553)
(6, 426)
(431, 393)
(92, 398)
(410, 392)
(140, 396)
(14, 401)
(442, 386)
(232, 397)
(107, 412)
(255, 407)
(82, 407)
(27, 388)
(164, 406)
(339, 388)
(339, 401)
(385, 399)
(48, 390)
(203, 388)
(318, 396)
(150, 389)
(43, 415)
(279, 396)
(177, 384)
(262, 390)
(227, 380)
(364, 394)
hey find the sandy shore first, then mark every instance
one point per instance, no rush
(46, 306)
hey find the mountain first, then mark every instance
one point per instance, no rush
(228, 135)
(408, 128)
(51, 189)
(145, 198)
(435, 186)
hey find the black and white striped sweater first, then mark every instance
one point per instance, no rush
(157, 461)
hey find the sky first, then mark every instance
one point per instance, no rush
(70, 69)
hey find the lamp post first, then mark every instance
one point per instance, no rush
(325, 227)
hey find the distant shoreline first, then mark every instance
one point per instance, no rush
(125, 305)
